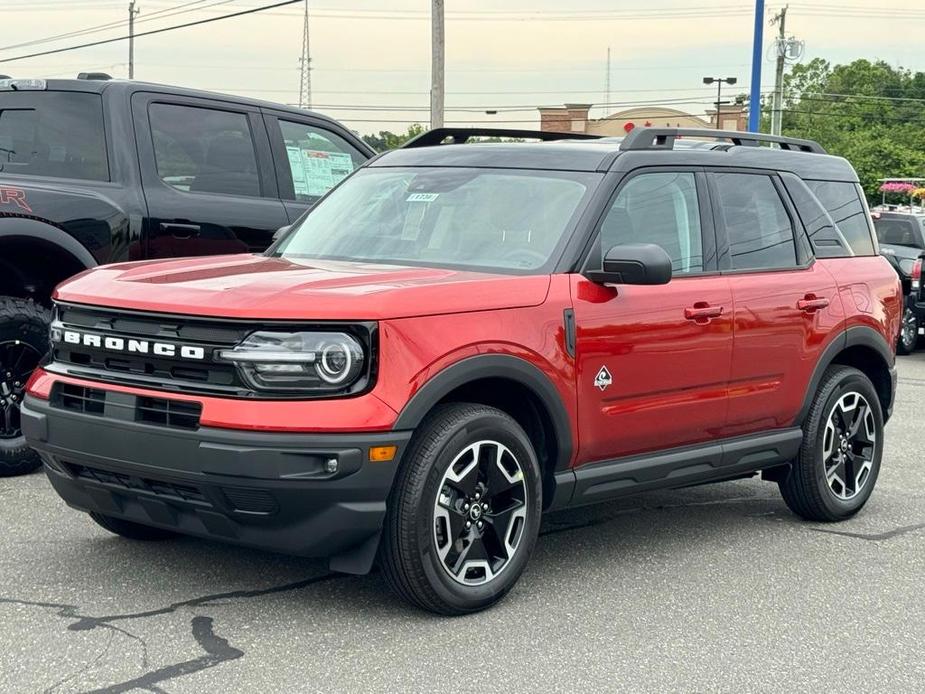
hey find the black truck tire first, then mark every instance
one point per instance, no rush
(908, 333)
(23, 343)
(493, 507)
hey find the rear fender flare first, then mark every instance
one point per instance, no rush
(24, 227)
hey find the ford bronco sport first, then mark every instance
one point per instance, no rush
(460, 337)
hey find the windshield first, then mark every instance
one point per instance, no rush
(492, 219)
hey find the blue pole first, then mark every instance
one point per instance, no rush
(754, 103)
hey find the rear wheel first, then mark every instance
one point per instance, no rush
(836, 470)
(130, 530)
(465, 511)
(909, 333)
(23, 343)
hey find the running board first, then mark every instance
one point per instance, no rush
(679, 467)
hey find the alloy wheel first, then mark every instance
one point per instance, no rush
(17, 361)
(849, 445)
(480, 513)
(910, 329)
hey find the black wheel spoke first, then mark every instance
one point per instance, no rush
(17, 360)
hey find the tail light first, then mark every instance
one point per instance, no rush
(917, 273)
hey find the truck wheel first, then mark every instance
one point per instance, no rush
(464, 511)
(908, 334)
(133, 531)
(837, 467)
(23, 343)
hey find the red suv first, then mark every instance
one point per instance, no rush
(460, 337)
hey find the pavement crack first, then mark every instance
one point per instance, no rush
(873, 537)
(217, 649)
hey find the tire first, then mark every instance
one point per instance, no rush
(130, 530)
(23, 343)
(819, 487)
(452, 461)
(908, 333)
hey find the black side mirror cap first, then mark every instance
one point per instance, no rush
(634, 263)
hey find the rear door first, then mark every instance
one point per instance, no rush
(653, 361)
(311, 156)
(208, 176)
(785, 303)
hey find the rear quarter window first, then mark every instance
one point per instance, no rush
(54, 134)
(842, 200)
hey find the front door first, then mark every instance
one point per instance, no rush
(208, 177)
(653, 361)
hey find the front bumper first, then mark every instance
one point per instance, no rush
(266, 490)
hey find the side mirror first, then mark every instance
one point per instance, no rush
(279, 233)
(634, 263)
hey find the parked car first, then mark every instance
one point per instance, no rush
(461, 337)
(95, 171)
(902, 241)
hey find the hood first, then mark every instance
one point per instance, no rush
(254, 286)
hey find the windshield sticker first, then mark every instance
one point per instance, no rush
(315, 172)
(422, 197)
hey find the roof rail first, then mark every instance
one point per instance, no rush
(663, 138)
(461, 135)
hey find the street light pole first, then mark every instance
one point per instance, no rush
(719, 94)
(754, 102)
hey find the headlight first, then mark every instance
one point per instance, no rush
(322, 362)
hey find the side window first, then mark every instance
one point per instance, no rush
(757, 225)
(826, 238)
(843, 202)
(318, 159)
(204, 150)
(658, 208)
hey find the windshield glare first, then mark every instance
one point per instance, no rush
(492, 219)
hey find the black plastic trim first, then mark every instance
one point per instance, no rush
(568, 319)
(493, 366)
(680, 467)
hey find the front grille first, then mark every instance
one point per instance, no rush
(176, 414)
(160, 488)
(174, 372)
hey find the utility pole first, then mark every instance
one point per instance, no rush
(607, 102)
(777, 110)
(132, 12)
(305, 81)
(437, 63)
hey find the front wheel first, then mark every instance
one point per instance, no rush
(464, 512)
(23, 343)
(836, 470)
(909, 334)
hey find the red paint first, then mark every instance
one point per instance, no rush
(696, 359)
(14, 196)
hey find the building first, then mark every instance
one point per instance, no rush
(574, 118)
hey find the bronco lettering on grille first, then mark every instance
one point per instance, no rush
(112, 343)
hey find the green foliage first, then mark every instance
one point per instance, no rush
(868, 112)
(386, 140)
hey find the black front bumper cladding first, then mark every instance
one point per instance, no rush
(274, 491)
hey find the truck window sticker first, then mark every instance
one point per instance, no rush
(314, 171)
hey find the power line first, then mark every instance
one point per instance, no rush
(152, 31)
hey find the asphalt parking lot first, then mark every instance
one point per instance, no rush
(710, 589)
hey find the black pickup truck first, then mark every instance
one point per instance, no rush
(901, 234)
(97, 171)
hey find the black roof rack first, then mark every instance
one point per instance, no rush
(664, 138)
(461, 135)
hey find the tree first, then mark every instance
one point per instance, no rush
(386, 139)
(868, 112)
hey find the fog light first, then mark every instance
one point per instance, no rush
(382, 454)
(330, 465)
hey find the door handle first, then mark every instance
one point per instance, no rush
(812, 303)
(702, 313)
(180, 231)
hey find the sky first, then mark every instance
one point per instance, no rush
(371, 58)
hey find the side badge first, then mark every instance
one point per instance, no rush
(603, 379)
